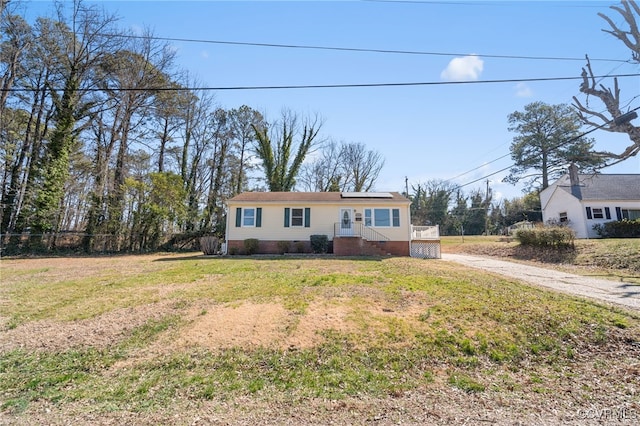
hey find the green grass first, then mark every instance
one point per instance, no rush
(412, 323)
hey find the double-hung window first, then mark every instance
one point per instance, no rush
(297, 217)
(598, 213)
(248, 217)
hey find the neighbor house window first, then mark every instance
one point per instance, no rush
(630, 214)
(563, 217)
(382, 217)
(297, 217)
(597, 213)
(249, 217)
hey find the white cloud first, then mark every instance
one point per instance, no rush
(204, 54)
(463, 69)
(137, 29)
(523, 90)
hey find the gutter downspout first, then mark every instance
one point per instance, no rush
(226, 233)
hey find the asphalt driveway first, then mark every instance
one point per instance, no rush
(620, 293)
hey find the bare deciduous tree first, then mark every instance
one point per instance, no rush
(361, 166)
(629, 11)
(343, 167)
(324, 172)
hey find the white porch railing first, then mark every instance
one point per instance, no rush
(425, 232)
(425, 242)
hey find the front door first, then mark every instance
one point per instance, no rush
(346, 222)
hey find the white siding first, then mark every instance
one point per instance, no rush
(600, 204)
(576, 210)
(561, 201)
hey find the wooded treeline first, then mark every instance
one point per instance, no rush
(102, 134)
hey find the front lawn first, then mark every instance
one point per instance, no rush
(159, 337)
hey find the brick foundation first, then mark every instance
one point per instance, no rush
(356, 246)
(270, 247)
(342, 246)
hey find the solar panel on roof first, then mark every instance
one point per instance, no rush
(366, 195)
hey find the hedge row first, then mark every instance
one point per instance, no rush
(548, 236)
(624, 228)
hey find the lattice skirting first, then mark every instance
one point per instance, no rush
(425, 249)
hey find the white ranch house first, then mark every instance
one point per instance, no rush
(357, 223)
(583, 200)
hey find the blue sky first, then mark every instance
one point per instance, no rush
(424, 132)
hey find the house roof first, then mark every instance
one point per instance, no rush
(621, 187)
(320, 197)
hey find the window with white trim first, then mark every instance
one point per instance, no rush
(563, 217)
(630, 214)
(382, 218)
(248, 217)
(297, 217)
(597, 213)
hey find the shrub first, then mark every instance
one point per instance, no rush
(209, 245)
(624, 228)
(251, 246)
(548, 236)
(319, 243)
(283, 247)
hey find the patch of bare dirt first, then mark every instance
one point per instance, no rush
(250, 325)
(99, 332)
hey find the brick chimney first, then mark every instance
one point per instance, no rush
(573, 175)
(575, 181)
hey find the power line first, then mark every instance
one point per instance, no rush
(507, 155)
(478, 167)
(552, 148)
(328, 86)
(467, 3)
(356, 49)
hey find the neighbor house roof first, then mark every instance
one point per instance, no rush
(603, 187)
(320, 197)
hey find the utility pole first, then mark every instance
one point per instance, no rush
(486, 216)
(406, 186)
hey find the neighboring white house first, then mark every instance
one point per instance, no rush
(584, 200)
(357, 223)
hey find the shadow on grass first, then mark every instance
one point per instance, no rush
(547, 255)
(271, 257)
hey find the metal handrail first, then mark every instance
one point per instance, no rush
(358, 230)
